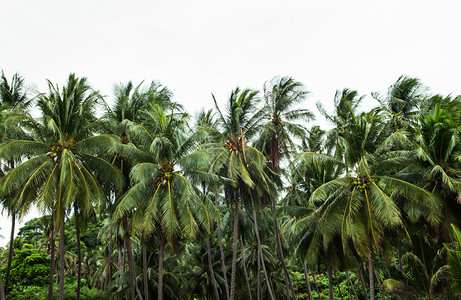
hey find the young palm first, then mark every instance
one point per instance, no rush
(61, 165)
(162, 197)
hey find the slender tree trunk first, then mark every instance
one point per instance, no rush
(129, 252)
(308, 285)
(245, 273)
(316, 286)
(339, 288)
(2, 290)
(210, 266)
(261, 253)
(160, 268)
(379, 284)
(109, 261)
(144, 272)
(10, 252)
(79, 256)
(61, 258)
(371, 274)
(330, 284)
(258, 287)
(223, 264)
(52, 262)
(234, 250)
(351, 284)
(362, 281)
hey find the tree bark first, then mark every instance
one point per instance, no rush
(79, 256)
(234, 250)
(210, 266)
(2, 289)
(245, 273)
(308, 285)
(61, 258)
(10, 253)
(160, 268)
(144, 272)
(261, 253)
(109, 262)
(129, 252)
(258, 287)
(223, 264)
(316, 286)
(371, 274)
(362, 281)
(330, 284)
(52, 262)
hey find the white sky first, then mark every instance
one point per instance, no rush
(199, 47)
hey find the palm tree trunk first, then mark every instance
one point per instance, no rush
(339, 288)
(61, 258)
(10, 252)
(308, 285)
(210, 266)
(160, 267)
(234, 250)
(316, 286)
(2, 290)
(109, 261)
(258, 288)
(255, 220)
(129, 252)
(79, 256)
(144, 272)
(351, 284)
(223, 264)
(362, 281)
(288, 282)
(245, 273)
(379, 284)
(371, 274)
(330, 284)
(52, 262)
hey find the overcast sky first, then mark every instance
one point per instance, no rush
(201, 47)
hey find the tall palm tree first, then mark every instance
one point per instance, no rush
(61, 165)
(233, 158)
(13, 100)
(163, 199)
(276, 138)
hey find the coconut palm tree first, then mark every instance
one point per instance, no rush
(276, 138)
(162, 197)
(61, 164)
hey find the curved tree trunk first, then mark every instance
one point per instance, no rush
(79, 256)
(371, 274)
(10, 252)
(330, 284)
(316, 286)
(129, 252)
(210, 266)
(52, 262)
(109, 262)
(61, 258)
(245, 273)
(223, 264)
(160, 268)
(144, 272)
(308, 285)
(339, 288)
(234, 251)
(261, 253)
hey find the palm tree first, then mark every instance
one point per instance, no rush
(276, 138)
(13, 100)
(162, 198)
(233, 158)
(364, 196)
(63, 159)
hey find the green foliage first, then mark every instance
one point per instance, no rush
(29, 267)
